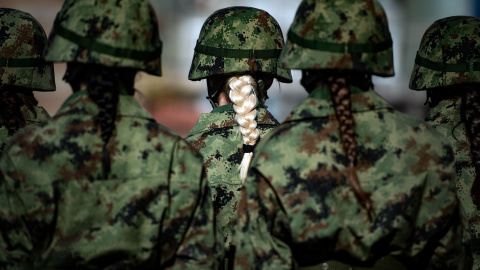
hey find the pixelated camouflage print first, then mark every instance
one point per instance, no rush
(215, 137)
(31, 118)
(239, 28)
(22, 38)
(56, 211)
(115, 31)
(451, 41)
(445, 118)
(340, 22)
(297, 205)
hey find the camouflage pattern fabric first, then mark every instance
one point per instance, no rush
(239, 40)
(297, 208)
(445, 118)
(154, 211)
(115, 33)
(40, 115)
(340, 34)
(22, 42)
(215, 137)
(449, 54)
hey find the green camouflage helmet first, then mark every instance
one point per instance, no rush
(449, 54)
(238, 40)
(22, 41)
(340, 34)
(114, 33)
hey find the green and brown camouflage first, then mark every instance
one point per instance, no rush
(215, 136)
(449, 54)
(22, 42)
(238, 40)
(115, 33)
(58, 212)
(297, 208)
(31, 118)
(340, 34)
(446, 119)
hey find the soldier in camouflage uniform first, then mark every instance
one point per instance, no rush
(22, 70)
(102, 185)
(237, 52)
(447, 67)
(347, 182)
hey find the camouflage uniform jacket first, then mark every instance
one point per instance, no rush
(56, 212)
(215, 137)
(445, 118)
(30, 119)
(297, 207)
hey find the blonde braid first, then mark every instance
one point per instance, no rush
(242, 94)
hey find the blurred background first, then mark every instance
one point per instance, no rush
(176, 102)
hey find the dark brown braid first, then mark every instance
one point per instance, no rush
(470, 113)
(103, 84)
(340, 93)
(12, 98)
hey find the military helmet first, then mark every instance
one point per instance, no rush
(114, 33)
(449, 54)
(340, 34)
(239, 40)
(22, 41)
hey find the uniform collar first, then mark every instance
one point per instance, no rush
(319, 104)
(229, 107)
(450, 108)
(324, 93)
(223, 108)
(80, 103)
(446, 119)
(224, 116)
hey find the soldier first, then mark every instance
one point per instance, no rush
(237, 52)
(22, 70)
(347, 182)
(102, 185)
(447, 67)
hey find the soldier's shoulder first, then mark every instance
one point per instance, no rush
(423, 139)
(39, 129)
(161, 132)
(404, 123)
(42, 113)
(427, 132)
(281, 139)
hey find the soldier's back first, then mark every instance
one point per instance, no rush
(149, 205)
(405, 165)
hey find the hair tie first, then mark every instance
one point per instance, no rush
(247, 148)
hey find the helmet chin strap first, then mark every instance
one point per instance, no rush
(309, 80)
(214, 87)
(212, 102)
(260, 91)
(429, 100)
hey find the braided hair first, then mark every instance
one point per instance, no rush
(103, 84)
(339, 83)
(11, 101)
(245, 92)
(242, 91)
(470, 116)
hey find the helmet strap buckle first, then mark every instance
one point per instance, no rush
(212, 102)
